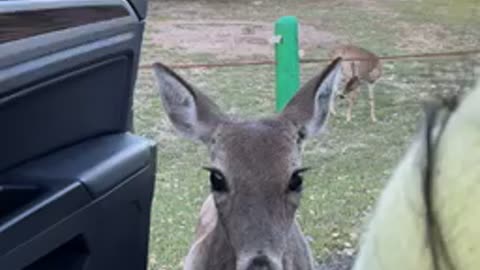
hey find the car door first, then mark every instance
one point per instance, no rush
(75, 183)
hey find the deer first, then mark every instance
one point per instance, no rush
(248, 221)
(364, 68)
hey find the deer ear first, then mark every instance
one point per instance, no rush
(192, 113)
(309, 108)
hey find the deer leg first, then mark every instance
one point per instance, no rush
(332, 105)
(351, 90)
(349, 108)
(333, 99)
(371, 100)
(352, 96)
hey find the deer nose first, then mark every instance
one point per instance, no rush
(260, 262)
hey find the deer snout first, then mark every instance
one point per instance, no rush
(260, 262)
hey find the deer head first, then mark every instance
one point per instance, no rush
(255, 171)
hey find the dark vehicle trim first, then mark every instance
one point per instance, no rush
(27, 23)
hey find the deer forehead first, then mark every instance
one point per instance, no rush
(256, 148)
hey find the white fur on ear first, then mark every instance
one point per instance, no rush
(178, 102)
(193, 115)
(310, 107)
(323, 97)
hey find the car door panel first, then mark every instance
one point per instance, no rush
(75, 184)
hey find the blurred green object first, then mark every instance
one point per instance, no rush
(287, 60)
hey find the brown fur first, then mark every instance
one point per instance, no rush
(252, 225)
(365, 67)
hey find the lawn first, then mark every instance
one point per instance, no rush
(353, 160)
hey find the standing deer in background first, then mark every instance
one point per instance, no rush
(364, 68)
(248, 221)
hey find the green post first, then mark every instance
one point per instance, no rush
(287, 60)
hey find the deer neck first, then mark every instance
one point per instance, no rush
(220, 252)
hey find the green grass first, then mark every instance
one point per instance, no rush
(455, 20)
(450, 13)
(350, 163)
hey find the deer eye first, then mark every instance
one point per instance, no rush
(296, 180)
(218, 182)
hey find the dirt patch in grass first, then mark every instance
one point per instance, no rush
(232, 39)
(426, 37)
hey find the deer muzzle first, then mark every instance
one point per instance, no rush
(260, 261)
